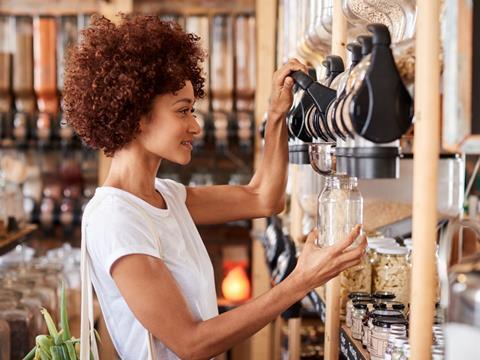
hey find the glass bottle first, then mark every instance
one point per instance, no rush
(353, 297)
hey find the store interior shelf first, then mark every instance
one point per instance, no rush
(14, 238)
(350, 348)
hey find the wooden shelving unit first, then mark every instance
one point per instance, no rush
(14, 238)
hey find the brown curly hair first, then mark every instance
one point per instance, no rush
(113, 75)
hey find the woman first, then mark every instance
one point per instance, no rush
(130, 91)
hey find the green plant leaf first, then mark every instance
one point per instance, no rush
(52, 329)
(64, 315)
(31, 354)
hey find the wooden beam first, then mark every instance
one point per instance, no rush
(265, 17)
(425, 163)
(332, 316)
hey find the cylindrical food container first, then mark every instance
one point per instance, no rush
(359, 312)
(4, 339)
(45, 69)
(392, 272)
(379, 336)
(23, 66)
(353, 297)
(245, 62)
(6, 31)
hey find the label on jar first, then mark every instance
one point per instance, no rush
(378, 346)
(357, 328)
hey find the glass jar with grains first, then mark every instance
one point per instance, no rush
(354, 297)
(392, 272)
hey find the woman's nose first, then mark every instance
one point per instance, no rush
(195, 127)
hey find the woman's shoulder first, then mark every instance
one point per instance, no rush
(172, 188)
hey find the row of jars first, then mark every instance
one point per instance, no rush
(380, 323)
(28, 284)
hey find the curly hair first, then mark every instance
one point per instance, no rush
(113, 75)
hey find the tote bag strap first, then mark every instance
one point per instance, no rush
(88, 342)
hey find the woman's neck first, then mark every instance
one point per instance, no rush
(134, 170)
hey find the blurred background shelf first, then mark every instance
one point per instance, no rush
(12, 239)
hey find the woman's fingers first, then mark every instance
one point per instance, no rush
(340, 246)
(356, 253)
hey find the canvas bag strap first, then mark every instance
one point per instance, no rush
(86, 321)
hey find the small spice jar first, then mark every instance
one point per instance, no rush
(379, 313)
(352, 297)
(396, 349)
(359, 312)
(380, 334)
(383, 296)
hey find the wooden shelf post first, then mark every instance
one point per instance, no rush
(425, 164)
(332, 320)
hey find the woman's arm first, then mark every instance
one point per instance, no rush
(265, 194)
(154, 297)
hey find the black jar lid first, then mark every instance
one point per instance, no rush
(387, 322)
(396, 305)
(383, 295)
(357, 294)
(380, 306)
(360, 306)
(387, 313)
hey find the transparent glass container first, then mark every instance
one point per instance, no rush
(340, 208)
(67, 36)
(20, 323)
(392, 272)
(359, 313)
(6, 31)
(310, 185)
(352, 298)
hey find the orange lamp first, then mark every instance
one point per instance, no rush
(236, 285)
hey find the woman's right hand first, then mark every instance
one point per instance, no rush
(316, 265)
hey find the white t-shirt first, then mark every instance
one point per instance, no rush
(116, 228)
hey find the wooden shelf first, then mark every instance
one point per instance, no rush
(13, 239)
(49, 7)
(194, 7)
(350, 348)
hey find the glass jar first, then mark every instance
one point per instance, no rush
(394, 351)
(4, 340)
(380, 334)
(359, 312)
(405, 352)
(376, 314)
(340, 208)
(19, 322)
(353, 297)
(392, 272)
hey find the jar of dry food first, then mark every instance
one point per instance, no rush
(396, 305)
(359, 312)
(380, 334)
(375, 314)
(353, 296)
(392, 272)
(4, 340)
(19, 321)
(405, 352)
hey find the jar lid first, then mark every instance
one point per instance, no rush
(358, 294)
(360, 306)
(387, 321)
(400, 340)
(383, 295)
(387, 313)
(392, 250)
(376, 245)
(379, 306)
(379, 239)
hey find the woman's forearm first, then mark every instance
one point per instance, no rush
(270, 179)
(217, 335)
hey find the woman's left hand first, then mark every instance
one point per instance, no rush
(281, 97)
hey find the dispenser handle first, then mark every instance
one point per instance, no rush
(303, 80)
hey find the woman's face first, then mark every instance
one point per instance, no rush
(169, 131)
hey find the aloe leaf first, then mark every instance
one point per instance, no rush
(52, 329)
(31, 354)
(57, 353)
(44, 342)
(44, 355)
(63, 315)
